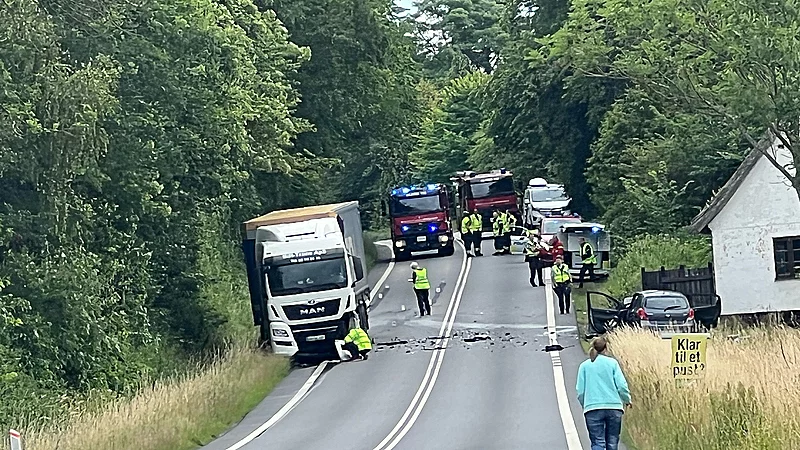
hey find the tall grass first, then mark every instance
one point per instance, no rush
(654, 251)
(748, 399)
(177, 413)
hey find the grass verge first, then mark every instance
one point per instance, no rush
(370, 249)
(178, 413)
(746, 401)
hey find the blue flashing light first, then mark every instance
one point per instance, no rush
(405, 228)
(431, 187)
(432, 228)
(406, 190)
(595, 229)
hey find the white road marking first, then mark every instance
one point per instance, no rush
(283, 411)
(314, 376)
(385, 275)
(571, 433)
(432, 372)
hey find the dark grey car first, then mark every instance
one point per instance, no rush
(664, 312)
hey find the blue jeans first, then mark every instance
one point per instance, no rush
(604, 426)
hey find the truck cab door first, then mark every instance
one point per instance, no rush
(601, 309)
(707, 315)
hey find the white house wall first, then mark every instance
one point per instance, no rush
(764, 207)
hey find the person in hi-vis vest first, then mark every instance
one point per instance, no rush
(421, 288)
(355, 345)
(588, 261)
(561, 283)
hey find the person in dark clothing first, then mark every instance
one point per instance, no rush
(422, 286)
(561, 283)
(588, 261)
(357, 343)
(476, 221)
(532, 257)
(497, 232)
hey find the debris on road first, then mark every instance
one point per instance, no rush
(467, 338)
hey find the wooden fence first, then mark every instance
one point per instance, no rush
(696, 284)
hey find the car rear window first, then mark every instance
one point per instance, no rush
(665, 302)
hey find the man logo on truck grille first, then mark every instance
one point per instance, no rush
(312, 302)
(307, 311)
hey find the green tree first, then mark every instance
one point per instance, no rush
(138, 136)
(360, 92)
(728, 60)
(471, 28)
(449, 133)
(653, 166)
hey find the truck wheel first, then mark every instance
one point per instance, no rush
(447, 251)
(363, 316)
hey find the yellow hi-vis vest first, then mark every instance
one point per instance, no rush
(421, 281)
(587, 254)
(531, 247)
(561, 273)
(508, 222)
(465, 224)
(360, 338)
(476, 222)
(497, 226)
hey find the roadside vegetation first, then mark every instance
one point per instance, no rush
(139, 135)
(176, 413)
(371, 250)
(649, 252)
(746, 401)
(652, 252)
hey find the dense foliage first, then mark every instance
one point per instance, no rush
(138, 134)
(642, 110)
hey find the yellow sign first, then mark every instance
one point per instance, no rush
(688, 355)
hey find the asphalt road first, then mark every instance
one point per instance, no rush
(488, 384)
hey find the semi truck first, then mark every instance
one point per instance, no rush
(420, 220)
(485, 192)
(306, 271)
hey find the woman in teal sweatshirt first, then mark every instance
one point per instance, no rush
(603, 393)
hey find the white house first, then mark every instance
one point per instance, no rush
(755, 229)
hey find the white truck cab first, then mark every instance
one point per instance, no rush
(312, 286)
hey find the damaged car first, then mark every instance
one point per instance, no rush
(664, 312)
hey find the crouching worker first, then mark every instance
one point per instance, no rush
(356, 345)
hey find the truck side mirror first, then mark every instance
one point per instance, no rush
(359, 269)
(383, 207)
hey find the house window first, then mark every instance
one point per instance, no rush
(787, 257)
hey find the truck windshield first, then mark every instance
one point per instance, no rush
(548, 195)
(415, 205)
(312, 276)
(503, 186)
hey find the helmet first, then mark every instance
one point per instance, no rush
(414, 265)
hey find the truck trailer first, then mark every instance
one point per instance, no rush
(306, 270)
